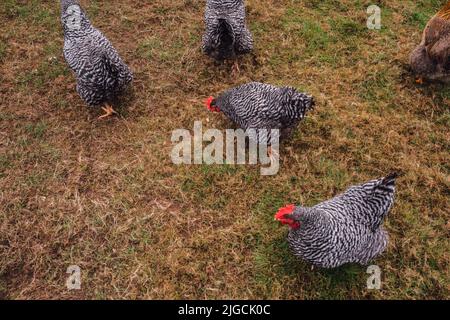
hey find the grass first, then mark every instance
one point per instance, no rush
(105, 195)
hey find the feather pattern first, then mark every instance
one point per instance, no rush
(101, 73)
(262, 106)
(226, 34)
(444, 13)
(345, 229)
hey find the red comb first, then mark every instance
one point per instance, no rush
(209, 107)
(284, 211)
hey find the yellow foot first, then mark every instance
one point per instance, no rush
(109, 111)
(419, 80)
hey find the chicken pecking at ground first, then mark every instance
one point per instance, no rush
(226, 35)
(101, 73)
(431, 59)
(345, 229)
(262, 106)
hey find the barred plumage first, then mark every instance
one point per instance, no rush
(345, 229)
(226, 34)
(101, 73)
(262, 106)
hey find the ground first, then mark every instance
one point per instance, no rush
(104, 195)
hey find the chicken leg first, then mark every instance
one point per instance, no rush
(273, 155)
(109, 111)
(235, 68)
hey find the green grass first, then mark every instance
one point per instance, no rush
(36, 130)
(106, 196)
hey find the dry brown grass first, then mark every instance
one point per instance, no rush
(104, 194)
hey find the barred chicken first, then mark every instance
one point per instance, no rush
(101, 73)
(345, 229)
(226, 35)
(263, 107)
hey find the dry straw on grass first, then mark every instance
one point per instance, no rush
(104, 194)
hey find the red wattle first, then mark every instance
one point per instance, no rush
(284, 211)
(209, 107)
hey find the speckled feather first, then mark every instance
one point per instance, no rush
(262, 106)
(101, 73)
(226, 32)
(345, 229)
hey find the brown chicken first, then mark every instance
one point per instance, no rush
(431, 59)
